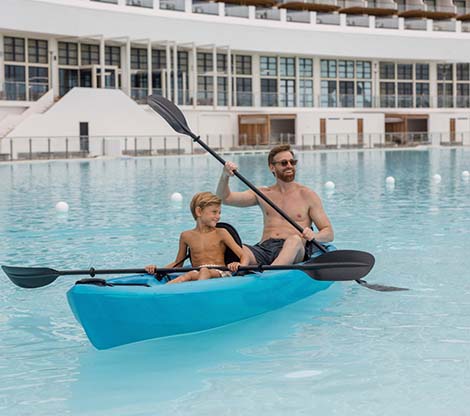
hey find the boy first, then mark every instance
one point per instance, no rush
(206, 242)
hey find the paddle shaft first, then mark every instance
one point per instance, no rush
(198, 140)
(93, 272)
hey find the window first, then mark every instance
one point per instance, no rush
(364, 94)
(328, 94)
(387, 94)
(346, 69)
(68, 54)
(243, 65)
(14, 49)
(305, 67)
(306, 93)
(387, 70)
(445, 92)
(15, 82)
(405, 71)
(463, 95)
(422, 94)
(287, 67)
(222, 98)
(445, 72)
(139, 58)
(90, 54)
(405, 94)
(204, 63)
(205, 91)
(112, 56)
(268, 66)
(346, 93)
(68, 78)
(422, 71)
(287, 93)
(244, 96)
(463, 72)
(221, 63)
(38, 82)
(37, 51)
(363, 70)
(269, 92)
(328, 68)
(158, 59)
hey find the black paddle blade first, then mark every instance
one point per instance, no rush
(171, 113)
(30, 277)
(380, 288)
(339, 273)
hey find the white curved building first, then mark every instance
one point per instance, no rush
(315, 73)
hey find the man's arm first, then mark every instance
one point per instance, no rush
(319, 217)
(237, 199)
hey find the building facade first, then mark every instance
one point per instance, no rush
(310, 72)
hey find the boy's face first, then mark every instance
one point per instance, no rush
(209, 215)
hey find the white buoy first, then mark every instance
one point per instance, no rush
(62, 206)
(437, 178)
(465, 174)
(330, 185)
(390, 180)
(176, 197)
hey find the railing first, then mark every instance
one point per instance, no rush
(176, 5)
(298, 16)
(266, 13)
(33, 148)
(234, 10)
(205, 7)
(140, 3)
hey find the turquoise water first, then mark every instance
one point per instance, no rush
(346, 351)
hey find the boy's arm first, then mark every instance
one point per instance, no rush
(232, 245)
(182, 251)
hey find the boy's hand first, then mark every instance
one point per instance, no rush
(233, 267)
(151, 269)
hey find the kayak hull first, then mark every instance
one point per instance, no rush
(118, 315)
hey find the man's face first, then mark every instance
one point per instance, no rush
(283, 166)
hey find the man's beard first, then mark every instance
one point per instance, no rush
(289, 177)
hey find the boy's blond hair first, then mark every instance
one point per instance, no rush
(202, 200)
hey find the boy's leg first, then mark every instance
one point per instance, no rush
(192, 275)
(205, 273)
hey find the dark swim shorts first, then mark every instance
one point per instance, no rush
(266, 251)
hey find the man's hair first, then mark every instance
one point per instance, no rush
(278, 149)
(202, 200)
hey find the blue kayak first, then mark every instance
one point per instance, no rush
(139, 307)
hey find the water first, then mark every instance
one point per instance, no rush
(346, 351)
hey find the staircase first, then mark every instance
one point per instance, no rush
(38, 107)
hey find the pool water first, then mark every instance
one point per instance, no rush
(345, 351)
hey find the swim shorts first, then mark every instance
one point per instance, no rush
(266, 251)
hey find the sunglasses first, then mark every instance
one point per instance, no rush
(284, 162)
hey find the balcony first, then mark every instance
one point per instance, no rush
(322, 6)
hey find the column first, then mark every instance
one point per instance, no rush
(316, 82)
(2, 66)
(54, 81)
(149, 67)
(156, 4)
(175, 72)
(297, 83)
(126, 66)
(102, 63)
(256, 82)
(168, 71)
(229, 77)
(214, 79)
(194, 75)
(433, 84)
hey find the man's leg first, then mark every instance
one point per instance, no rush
(249, 254)
(292, 251)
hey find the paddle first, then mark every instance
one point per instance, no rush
(175, 118)
(325, 268)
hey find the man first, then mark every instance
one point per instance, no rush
(281, 243)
